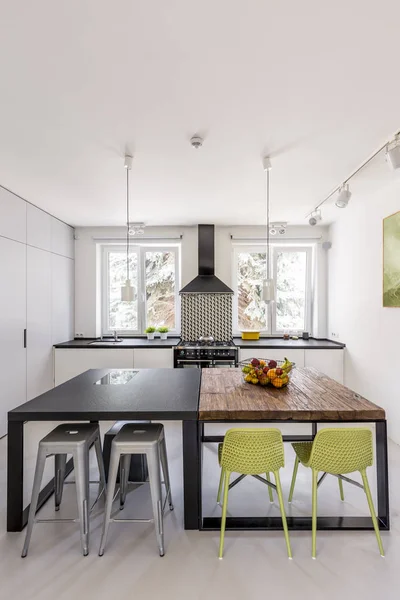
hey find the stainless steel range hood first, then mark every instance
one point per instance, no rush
(206, 282)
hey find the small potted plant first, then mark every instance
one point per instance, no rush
(150, 332)
(163, 332)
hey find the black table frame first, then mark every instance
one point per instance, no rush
(299, 523)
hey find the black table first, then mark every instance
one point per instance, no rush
(152, 394)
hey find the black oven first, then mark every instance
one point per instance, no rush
(194, 355)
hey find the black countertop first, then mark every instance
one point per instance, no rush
(311, 344)
(126, 343)
(165, 394)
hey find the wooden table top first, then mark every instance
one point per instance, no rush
(310, 396)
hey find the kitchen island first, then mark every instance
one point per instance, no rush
(197, 397)
(103, 395)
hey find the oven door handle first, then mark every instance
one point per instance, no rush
(196, 360)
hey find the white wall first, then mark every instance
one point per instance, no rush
(87, 259)
(355, 309)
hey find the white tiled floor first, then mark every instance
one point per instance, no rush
(255, 564)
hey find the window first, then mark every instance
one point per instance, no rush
(291, 268)
(154, 274)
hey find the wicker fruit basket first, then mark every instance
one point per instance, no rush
(265, 371)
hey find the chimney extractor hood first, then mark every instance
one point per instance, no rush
(206, 282)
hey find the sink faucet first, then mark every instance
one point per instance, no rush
(115, 336)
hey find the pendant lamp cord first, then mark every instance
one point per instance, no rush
(127, 224)
(267, 232)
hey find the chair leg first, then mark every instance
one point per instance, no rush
(372, 511)
(221, 481)
(40, 462)
(223, 517)
(341, 489)
(282, 507)
(125, 464)
(314, 512)
(60, 462)
(295, 469)
(153, 464)
(100, 465)
(271, 497)
(164, 464)
(112, 479)
(81, 467)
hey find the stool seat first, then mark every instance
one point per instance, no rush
(71, 435)
(138, 435)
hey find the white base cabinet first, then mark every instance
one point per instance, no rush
(330, 362)
(69, 363)
(295, 355)
(153, 358)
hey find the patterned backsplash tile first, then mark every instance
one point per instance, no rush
(206, 314)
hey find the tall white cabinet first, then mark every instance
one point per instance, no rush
(36, 299)
(12, 326)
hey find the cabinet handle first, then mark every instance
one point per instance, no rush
(24, 338)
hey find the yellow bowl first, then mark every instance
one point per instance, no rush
(250, 335)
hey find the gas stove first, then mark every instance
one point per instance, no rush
(228, 344)
(206, 354)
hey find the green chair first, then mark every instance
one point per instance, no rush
(238, 479)
(335, 452)
(252, 452)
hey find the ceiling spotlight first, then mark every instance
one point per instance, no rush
(343, 197)
(315, 218)
(392, 153)
(278, 227)
(135, 228)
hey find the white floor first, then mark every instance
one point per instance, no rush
(255, 563)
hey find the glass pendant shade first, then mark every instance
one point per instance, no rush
(268, 291)
(127, 292)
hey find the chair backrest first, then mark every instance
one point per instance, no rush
(342, 450)
(252, 451)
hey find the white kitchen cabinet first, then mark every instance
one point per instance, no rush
(62, 238)
(329, 362)
(38, 311)
(12, 326)
(38, 228)
(62, 283)
(69, 362)
(12, 216)
(294, 355)
(148, 358)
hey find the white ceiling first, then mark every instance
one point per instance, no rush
(314, 85)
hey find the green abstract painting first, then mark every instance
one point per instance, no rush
(391, 260)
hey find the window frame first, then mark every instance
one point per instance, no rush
(141, 250)
(271, 310)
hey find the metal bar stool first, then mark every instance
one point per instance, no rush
(75, 439)
(145, 439)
